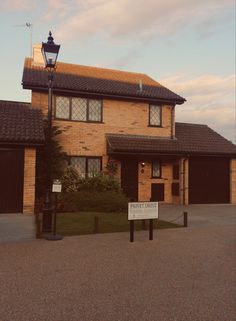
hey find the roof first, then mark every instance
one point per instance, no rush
(192, 139)
(93, 80)
(20, 124)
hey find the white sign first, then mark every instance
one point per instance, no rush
(142, 210)
(56, 187)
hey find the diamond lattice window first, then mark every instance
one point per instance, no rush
(80, 164)
(156, 168)
(155, 115)
(62, 107)
(95, 108)
(94, 166)
(79, 109)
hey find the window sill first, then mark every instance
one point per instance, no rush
(79, 121)
(156, 126)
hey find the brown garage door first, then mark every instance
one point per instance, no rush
(11, 180)
(209, 180)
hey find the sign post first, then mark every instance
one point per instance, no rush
(56, 188)
(142, 211)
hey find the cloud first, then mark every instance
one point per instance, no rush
(210, 100)
(17, 5)
(141, 20)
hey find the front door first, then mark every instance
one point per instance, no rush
(129, 178)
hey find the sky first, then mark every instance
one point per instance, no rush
(186, 45)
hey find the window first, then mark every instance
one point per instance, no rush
(86, 166)
(176, 171)
(155, 115)
(156, 169)
(78, 109)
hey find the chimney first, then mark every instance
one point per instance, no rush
(37, 55)
(140, 85)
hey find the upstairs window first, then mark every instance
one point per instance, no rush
(86, 166)
(156, 169)
(78, 109)
(155, 115)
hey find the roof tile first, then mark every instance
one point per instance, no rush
(95, 80)
(20, 123)
(190, 139)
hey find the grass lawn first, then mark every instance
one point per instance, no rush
(83, 223)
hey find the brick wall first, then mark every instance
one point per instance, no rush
(88, 139)
(184, 190)
(29, 181)
(145, 181)
(81, 138)
(233, 181)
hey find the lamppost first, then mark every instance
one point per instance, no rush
(50, 52)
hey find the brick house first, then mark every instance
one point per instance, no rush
(113, 119)
(21, 132)
(128, 120)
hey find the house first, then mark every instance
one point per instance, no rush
(126, 121)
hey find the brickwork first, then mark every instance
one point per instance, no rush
(145, 181)
(233, 181)
(29, 181)
(81, 138)
(184, 190)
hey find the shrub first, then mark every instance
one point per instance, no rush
(72, 182)
(104, 201)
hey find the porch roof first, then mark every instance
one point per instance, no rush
(191, 139)
(20, 124)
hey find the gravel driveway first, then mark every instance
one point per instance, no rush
(182, 275)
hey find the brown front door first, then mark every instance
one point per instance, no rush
(11, 180)
(129, 178)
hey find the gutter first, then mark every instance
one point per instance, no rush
(21, 144)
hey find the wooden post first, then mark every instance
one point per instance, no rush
(131, 231)
(185, 219)
(151, 230)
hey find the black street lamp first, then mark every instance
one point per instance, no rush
(50, 52)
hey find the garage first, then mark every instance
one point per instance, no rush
(21, 133)
(11, 180)
(209, 180)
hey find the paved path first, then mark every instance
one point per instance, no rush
(16, 227)
(185, 274)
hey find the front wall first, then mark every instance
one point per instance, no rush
(81, 138)
(119, 117)
(145, 181)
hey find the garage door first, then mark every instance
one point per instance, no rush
(11, 180)
(209, 180)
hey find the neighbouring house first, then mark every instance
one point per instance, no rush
(21, 132)
(126, 121)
